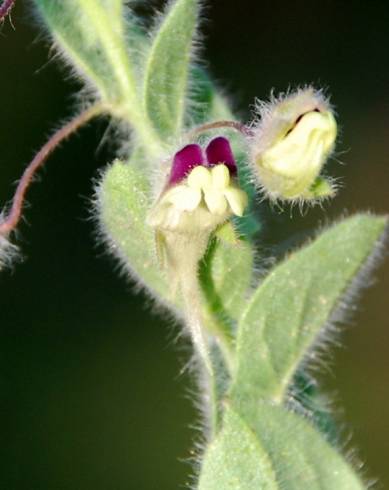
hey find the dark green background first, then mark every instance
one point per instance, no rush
(92, 396)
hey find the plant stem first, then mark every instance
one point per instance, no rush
(5, 8)
(12, 219)
(237, 126)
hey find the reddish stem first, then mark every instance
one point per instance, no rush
(13, 217)
(238, 126)
(5, 8)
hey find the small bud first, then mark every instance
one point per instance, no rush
(201, 192)
(291, 144)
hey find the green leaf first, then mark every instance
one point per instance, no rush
(285, 319)
(122, 200)
(167, 69)
(300, 456)
(225, 276)
(271, 448)
(236, 459)
(91, 35)
(202, 97)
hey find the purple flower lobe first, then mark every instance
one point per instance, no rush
(219, 151)
(184, 161)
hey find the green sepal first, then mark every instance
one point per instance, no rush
(321, 189)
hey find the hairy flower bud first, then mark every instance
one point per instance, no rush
(290, 145)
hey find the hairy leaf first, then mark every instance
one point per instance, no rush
(122, 201)
(166, 77)
(286, 316)
(91, 36)
(236, 460)
(270, 448)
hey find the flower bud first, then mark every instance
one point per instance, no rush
(291, 144)
(201, 192)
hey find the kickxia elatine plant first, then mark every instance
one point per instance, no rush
(179, 213)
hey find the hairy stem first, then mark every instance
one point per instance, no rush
(200, 338)
(12, 219)
(183, 253)
(237, 126)
(5, 8)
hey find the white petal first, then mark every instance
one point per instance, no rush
(237, 199)
(215, 201)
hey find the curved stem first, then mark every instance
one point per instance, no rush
(12, 219)
(5, 8)
(237, 126)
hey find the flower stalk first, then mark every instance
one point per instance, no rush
(12, 218)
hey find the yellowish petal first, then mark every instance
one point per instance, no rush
(220, 177)
(183, 198)
(199, 178)
(237, 199)
(215, 201)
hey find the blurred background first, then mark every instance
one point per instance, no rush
(92, 394)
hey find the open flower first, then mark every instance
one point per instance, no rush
(291, 144)
(201, 191)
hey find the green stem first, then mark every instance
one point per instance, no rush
(222, 335)
(183, 252)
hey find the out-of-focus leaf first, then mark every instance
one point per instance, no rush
(91, 35)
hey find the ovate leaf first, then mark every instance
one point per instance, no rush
(91, 35)
(270, 448)
(286, 316)
(300, 456)
(167, 69)
(236, 460)
(123, 198)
